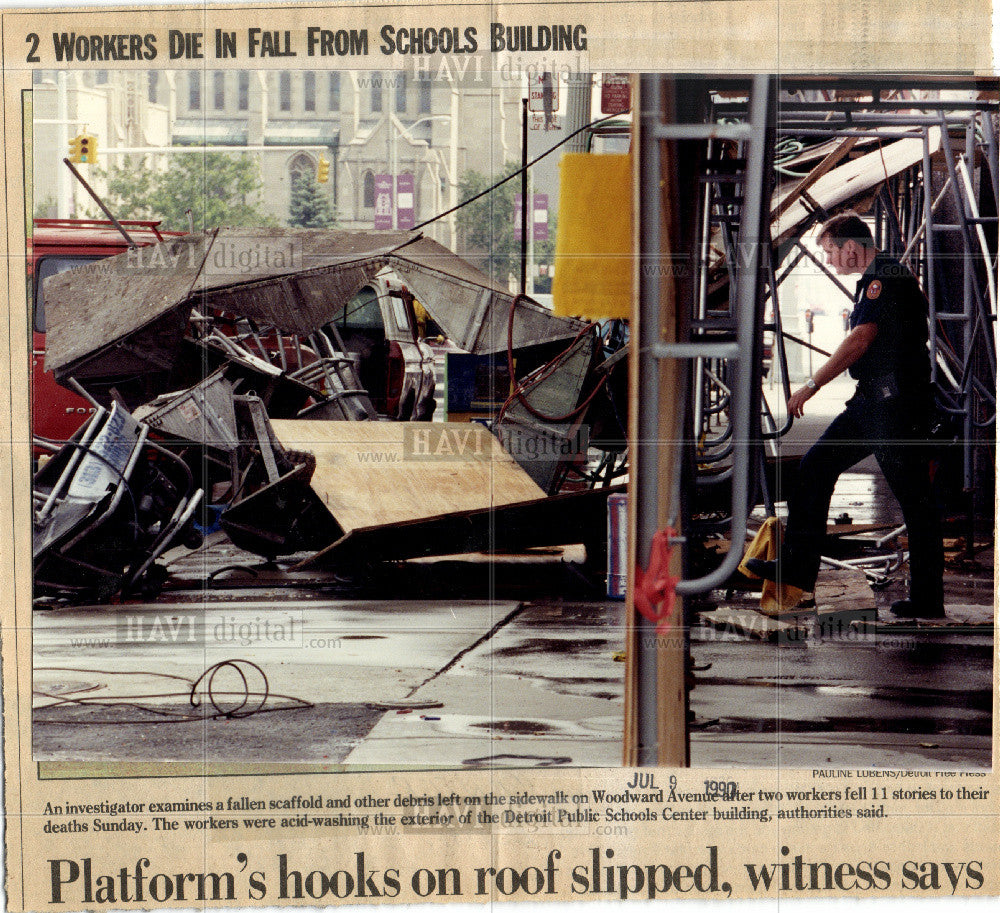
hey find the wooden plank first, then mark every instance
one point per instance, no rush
(381, 473)
(851, 180)
(566, 519)
(786, 200)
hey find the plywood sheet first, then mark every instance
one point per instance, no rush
(574, 517)
(381, 473)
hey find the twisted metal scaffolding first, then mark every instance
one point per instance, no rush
(721, 160)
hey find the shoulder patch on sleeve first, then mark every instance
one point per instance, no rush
(874, 289)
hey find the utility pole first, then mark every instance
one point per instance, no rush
(62, 179)
(524, 196)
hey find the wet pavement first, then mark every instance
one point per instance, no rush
(242, 661)
(412, 683)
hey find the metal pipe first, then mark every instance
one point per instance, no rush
(871, 575)
(90, 432)
(980, 234)
(779, 343)
(699, 365)
(990, 140)
(929, 257)
(887, 119)
(100, 203)
(525, 202)
(824, 108)
(824, 269)
(988, 339)
(76, 385)
(647, 424)
(922, 227)
(969, 336)
(753, 231)
(841, 133)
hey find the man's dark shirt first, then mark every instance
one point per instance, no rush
(888, 295)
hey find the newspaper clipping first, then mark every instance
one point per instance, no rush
(465, 452)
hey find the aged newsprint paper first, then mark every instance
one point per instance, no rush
(259, 653)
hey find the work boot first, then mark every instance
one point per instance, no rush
(910, 608)
(788, 572)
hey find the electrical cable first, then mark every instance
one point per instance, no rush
(214, 696)
(514, 174)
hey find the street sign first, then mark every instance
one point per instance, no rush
(383, 202)
(543, 94)
(616, 94)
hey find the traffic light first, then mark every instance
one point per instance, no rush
(83, 149)
(323, 170)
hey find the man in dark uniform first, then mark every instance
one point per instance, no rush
(888, 416)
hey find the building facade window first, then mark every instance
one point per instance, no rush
(309, 91)
(424, 96)
(400, 93)
(100, 77)
(153, 87)
(285, 91)
(243, 90)
(376, 93)
(194, 90)
(219, 90)
(334, 88)
(368, 196)
(301, 168)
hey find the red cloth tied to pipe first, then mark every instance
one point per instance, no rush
(654, 592)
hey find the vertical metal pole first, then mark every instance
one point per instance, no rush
(705, 224)
(62, 115)
(453, 171)
(648, 408)
(992, 155)
(929, 242)
(977, 291)
(530, 274)
(968, 344)
(524, 196)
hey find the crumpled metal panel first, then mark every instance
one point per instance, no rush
(95, 305)
(296, 304)
(241, 256)
(296, 280)
(469, 307)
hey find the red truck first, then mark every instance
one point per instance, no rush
(57, 245)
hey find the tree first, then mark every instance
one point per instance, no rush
(219, 188)
(310, 207)
(487, 225)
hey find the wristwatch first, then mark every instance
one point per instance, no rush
(811, 384)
